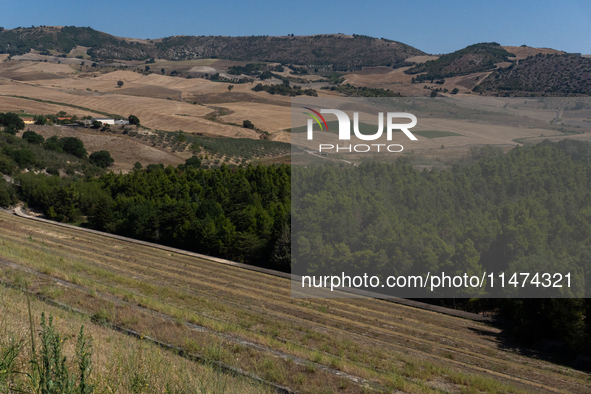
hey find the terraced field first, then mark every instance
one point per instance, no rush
(248, 320)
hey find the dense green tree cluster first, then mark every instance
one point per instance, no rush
(285, 90)
(7, 193)
(32, 152)
(11, 122)
(549, 75)
(248, 69)
(354, 91)
(101, 159)
(237, 213)
(71, 145)
(493, 214)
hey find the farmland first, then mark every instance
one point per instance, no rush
(248, 320)
(172, 96)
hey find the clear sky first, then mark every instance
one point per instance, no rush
(434, 26)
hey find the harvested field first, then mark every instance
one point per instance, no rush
(13, 104)
(523, 52)
(170, 103)
(266, 117)
(154, 113)
(312, 345)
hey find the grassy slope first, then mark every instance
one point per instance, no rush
(392, 346)
(120, 363)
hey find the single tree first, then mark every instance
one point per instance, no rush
(40, 120)
(73, 146)
(101, 159)
(119, 83)
(11, 121)
(193, 162)
(134, 120)
(247, 124)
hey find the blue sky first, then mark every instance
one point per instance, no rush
(430, 25)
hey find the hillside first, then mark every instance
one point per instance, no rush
(249, 320)
(547, 74)
(53, 40)
(343, 52)
(523, 51)
(472, 59)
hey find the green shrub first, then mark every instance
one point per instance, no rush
(33, 138)
(101, 159)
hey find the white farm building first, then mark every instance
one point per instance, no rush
(103, 120)
(107, 121)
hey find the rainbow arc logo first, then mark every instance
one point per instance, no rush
(316, 118)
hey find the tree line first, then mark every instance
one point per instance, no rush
(238, 213)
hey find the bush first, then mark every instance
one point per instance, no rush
(11, 121)
(101, 159)
(6, 165)
(53, 143)
(24, 157)
(134, 120)
(7, 194)
(193, 162)
(33, 138)
(73, 146)
(40, 120)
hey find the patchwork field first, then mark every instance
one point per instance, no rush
(248, 320)
(200, 106)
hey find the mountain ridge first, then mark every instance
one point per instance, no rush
(343, 52)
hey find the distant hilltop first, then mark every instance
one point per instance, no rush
(342, 52)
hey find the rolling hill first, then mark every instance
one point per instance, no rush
(342, 51)
(546, 74)
(472, 59)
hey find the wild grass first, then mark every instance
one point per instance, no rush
(63, 352)
(102, 274)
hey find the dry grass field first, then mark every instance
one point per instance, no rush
(120, 363)
(170, 103)
(249, 320)
(523, 52)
